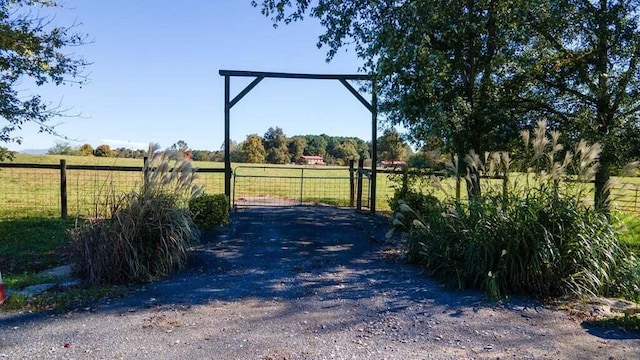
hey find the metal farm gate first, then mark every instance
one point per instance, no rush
(287, 186)
(258, 76)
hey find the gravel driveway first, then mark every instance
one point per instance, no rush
(305, 283)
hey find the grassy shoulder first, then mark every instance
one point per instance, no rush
(30, 245)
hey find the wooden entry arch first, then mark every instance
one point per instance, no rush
(259, 76)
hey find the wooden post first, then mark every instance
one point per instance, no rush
(63, 188)
(359, 196)
(227, 145)
(374, 145)
(352, 183)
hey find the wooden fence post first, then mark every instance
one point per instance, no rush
(63, 189)
(359, 196)
(352, 183)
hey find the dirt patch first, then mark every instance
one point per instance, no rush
(306, 283)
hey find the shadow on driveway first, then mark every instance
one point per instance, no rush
(276, 254)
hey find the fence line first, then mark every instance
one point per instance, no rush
(81, 190)
(55, 189)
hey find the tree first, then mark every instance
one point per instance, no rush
(391, 146)
(585, 61)
(123, 152)
(181, 147)
(363, 148)
(103, 151)
(316, 145)
(296, 147)
(6, 154)
(275, 145)
(85, 150)
(346, 151)
(61, 148)
(252, 150)
(443, 68)
(139, 153)
(32, 48)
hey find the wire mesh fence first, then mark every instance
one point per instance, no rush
(29, 191)
(625, 196)
(36, 189)
(295, 186)
(76, 190)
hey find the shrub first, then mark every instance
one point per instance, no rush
(103, 151)
(209, 211)
(148, 231)
(539, 239)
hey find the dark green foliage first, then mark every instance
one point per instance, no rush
(275, 144)
(209, 211)
(583, 61)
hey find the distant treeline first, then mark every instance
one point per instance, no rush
(274, 147)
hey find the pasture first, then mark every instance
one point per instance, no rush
(36, 191)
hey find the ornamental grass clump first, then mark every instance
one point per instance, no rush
(541, 237)
(148, 231)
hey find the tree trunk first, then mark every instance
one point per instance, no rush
(602, 191)
(604, 112)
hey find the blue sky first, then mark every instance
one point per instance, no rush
(154, 76)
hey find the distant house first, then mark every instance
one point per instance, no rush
(393, 164)
(311, 160)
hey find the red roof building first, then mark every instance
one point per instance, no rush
(312, 160)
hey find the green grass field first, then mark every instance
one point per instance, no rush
(36, 192)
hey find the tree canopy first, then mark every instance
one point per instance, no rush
(252, 150)
(584, 56)
(276, 145)
(472, 74)
(391, 146)
(32, 48)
